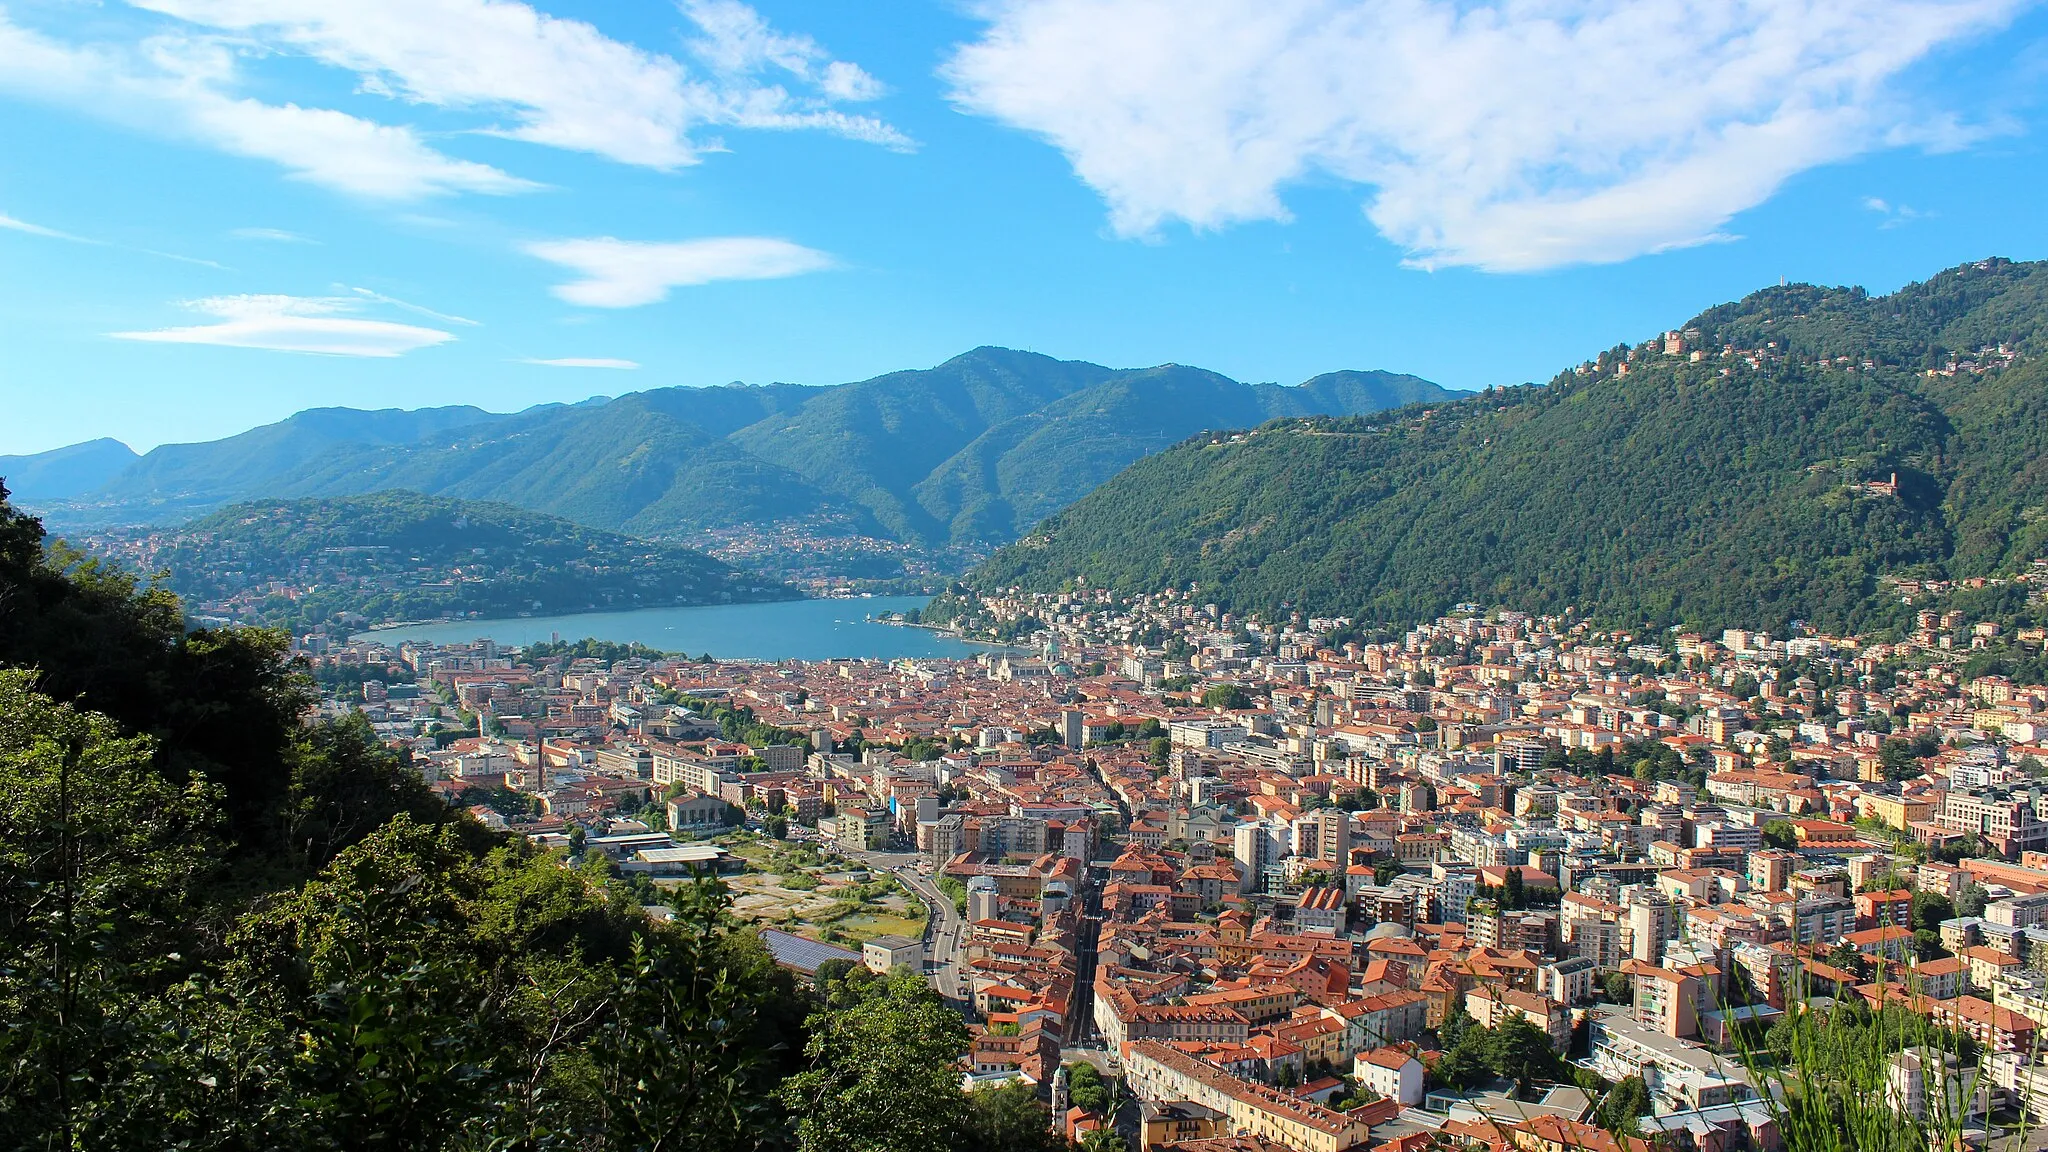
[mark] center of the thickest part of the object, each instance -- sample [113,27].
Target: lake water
[786,630]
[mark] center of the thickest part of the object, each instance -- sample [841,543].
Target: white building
[1392,1073]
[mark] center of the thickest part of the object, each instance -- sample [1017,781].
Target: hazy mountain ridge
[1646,486]
[66,471]
[967,452]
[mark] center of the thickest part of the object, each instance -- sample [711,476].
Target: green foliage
[1670,495]
[1228,696]
[1618,987]
[98,856]
[591,648]
[1008,1118]
[1779,834]
[881,1076]
[247,933]
[1822,1074]
[1085,1087]
[738,724]
[1619,1110]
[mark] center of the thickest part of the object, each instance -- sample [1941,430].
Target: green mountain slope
[65,472]
[1750,486]
[1028,467]
[229,467]
[633,464]
[403,556]
[875,441]
[966,453]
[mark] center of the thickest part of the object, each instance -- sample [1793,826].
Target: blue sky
[214,213]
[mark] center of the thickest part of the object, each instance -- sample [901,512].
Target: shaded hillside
[641,463]
[65,472]
[964,453]
[1028,467]
[231,467]
[403,556]
[1752,485]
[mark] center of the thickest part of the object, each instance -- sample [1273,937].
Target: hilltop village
[1500,881]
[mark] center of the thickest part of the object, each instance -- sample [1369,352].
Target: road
[945,944]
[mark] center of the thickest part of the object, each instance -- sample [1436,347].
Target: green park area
[798,889]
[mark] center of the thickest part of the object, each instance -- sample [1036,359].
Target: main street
[944,933]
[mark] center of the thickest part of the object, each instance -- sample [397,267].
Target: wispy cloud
[1508,135]
[585,362]
[11,224]
[511,70]
[628,273]
[274,235]
[311,324]
[182,86]
[1894,215]
[415,309]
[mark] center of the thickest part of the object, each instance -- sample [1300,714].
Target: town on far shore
[1495,881]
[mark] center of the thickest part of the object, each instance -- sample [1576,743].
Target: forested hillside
[1742,474]
[223,929]
[967,453]
[403,556]
[67,471]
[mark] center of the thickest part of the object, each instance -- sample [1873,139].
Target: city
[1261,872]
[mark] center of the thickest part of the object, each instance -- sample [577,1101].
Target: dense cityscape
[1024,576]
[1473,883]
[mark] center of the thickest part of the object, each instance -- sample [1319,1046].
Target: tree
[1161,751]
[1520,1051]
[680,1060]
[1619,988]
[1385,872]
[883,1074]
[1779,834]
[1930,909]
[1008,1118]
[1085,1087]
[1229,697]
[1620,1109]
[1971,902]
[98,856]
[1104,1140]
[1452,1031]
[1512,895]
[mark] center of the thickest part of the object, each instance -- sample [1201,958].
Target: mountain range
[1773,459]
[970,453]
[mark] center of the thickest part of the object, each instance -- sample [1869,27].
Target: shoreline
[949,633]
[396,625]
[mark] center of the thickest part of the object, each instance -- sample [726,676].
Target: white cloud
[585,362]
[416,309]
[1895,215]
[13,225]
[274,235]
[179,86]
[1505,134]
[294,324]
[561,82]
[628,273]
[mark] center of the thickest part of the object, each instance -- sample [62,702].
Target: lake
[785,630]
